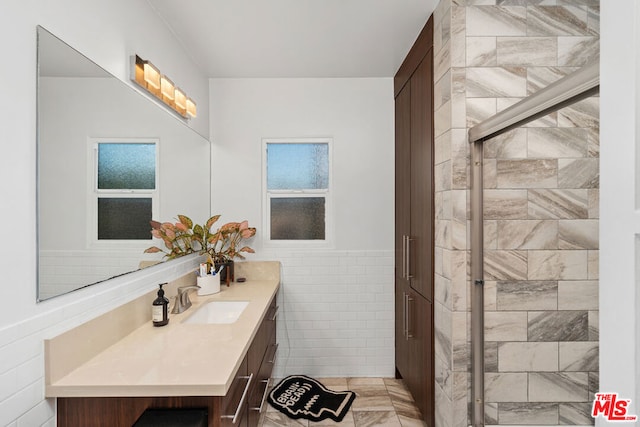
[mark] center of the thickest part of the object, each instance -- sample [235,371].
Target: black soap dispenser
[160,309]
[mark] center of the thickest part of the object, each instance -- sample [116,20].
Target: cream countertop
[173,360]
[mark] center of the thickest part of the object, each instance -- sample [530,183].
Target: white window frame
[94,193]
[267,195]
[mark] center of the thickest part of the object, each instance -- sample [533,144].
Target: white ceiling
[296,38]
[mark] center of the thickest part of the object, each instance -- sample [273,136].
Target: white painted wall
[108,32]
[337,303]
[356,113]
[619,198]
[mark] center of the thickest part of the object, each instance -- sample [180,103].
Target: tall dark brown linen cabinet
[414,227]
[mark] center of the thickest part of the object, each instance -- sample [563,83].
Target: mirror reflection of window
[125,189]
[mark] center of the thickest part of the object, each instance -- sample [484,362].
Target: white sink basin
[218,312]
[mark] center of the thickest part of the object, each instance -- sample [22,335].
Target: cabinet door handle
[408,313]
[242,399]
[404,315]
[408,251]
[264,396]
[404,256]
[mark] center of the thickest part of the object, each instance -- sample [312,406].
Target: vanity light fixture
[149,77]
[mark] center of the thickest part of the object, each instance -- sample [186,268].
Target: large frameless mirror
[109,160]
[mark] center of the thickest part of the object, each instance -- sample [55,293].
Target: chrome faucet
[182,299]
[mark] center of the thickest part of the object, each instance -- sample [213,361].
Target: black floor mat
[299,396]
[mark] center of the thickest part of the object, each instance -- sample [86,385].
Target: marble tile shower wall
[541,212]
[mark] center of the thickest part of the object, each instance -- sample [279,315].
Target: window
[297,176]
[125,189]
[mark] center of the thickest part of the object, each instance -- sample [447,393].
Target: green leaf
[185,220]
[211,221]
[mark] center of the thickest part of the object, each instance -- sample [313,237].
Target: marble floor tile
[397,390]
[411,422]
[407,410]
[379,402]
[277,419]
[335,384]
[366,402]
[355,381]
[376,418]
[347,421]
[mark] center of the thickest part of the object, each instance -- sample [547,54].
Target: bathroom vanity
[108,371]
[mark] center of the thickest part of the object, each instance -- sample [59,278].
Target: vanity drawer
[262,339]
[257,399]
[235,402]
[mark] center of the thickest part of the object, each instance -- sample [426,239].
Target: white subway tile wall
[336,313]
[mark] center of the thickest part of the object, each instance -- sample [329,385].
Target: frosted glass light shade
[180,99]
[167,88]
[151,75]
[191,108]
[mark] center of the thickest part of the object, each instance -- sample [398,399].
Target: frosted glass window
[124,218]
[297,180]
[297,166]
[125,193]
[298,218]
[124,166]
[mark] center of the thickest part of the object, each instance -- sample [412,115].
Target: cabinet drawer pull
[264,396]
[275,313]
[275,353]
[242,399]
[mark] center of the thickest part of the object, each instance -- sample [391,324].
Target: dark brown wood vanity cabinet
[245,403]
[240,407]
[261,359]
[414,227]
